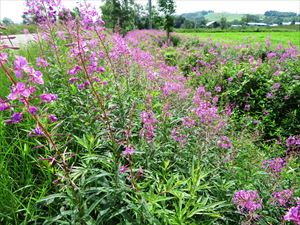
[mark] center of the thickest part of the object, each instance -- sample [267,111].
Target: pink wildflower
[123,169]
[224,142]
[48,97]
[128,151]
[283,198]
[247,201]
[293,214]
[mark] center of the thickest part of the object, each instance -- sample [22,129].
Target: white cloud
[14,8]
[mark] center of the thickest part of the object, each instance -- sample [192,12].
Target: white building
[257,24]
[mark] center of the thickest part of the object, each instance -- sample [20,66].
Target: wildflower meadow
[98,127]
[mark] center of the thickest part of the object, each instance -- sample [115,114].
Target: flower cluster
[283,198]
[3,57]
[205,110]
[293,214]
[224,142]
[128,151]
[90,17]
[178,135]
[40,62]
[293,144]
[188,122]
[120,48]
[4,105]
[247,201]
[43,10]
[149,127]
[275,165]
[21,66]
[24,91]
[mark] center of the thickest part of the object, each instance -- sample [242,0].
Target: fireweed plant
[132,130]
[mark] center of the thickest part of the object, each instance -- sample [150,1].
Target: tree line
[125,15]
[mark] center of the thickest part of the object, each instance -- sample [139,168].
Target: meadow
[251,37]
[100,128]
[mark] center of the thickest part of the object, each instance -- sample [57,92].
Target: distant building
[297,23]
[274,25]
[257,24]
[212,24]
[236,25]
[286,23]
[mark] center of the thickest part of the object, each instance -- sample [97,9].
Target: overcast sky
[13,8]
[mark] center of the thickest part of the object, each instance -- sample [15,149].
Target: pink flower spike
[32,110]
[123,169]
[41,62]
[128,151]
[61,35]
[16,118]
[294,214]
[20,64]
[37,131]
[52,118]
[224,142]
[74,71]
[3,57]
[4,105]
[101,69]
[19,90]
[72,80]
[48,97]
[247,201]
[218,89]
[37,77]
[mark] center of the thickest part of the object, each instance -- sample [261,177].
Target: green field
[252,37]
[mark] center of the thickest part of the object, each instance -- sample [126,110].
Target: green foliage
[282,115]
[7,21]
[280,14]
[269,17]
[19,29]
[167,7]
[277,115]
[223,23]
[119,15]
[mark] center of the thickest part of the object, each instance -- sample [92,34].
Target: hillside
[229,16]
[210,15]
[268,17]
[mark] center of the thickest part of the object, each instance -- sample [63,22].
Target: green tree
[119,15]
[223,22]
[141,19]
[7,21]
[200,22]
[179,20]
[150,13]
[167,7]
[188,24]
[249,18]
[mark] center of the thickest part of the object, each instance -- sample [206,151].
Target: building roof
[257,24]
[210,23]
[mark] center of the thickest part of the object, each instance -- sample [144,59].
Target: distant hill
[229,16]
[211,15]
